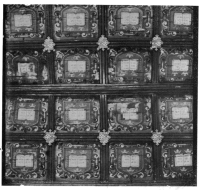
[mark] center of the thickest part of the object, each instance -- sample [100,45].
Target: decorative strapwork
[24,22]
[156,43]
[103,43]
[75,22]
[48,45]
[104,137]
[177,161]
[177,21]
[77,114]
[26,114]
[130,162]
[175,64]
[129,65]
[157,137]
[50,136]
[26,67]
[129,114]
[176,114]
[130,21]
[77,162]
[77,65]
[25,161]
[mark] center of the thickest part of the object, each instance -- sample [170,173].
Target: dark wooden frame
[154,89]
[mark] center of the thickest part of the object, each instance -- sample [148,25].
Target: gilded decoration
[177,21]
[103,43]
[104,137]
[26,115]
[129,65]
[157,137]
[177,161]
[130,162]
[77,115]
[25,161]
[156,43]
[75,21]
[175,65]
[176,114]
[77,66]
[50,137]
[130,21]
[129,115]
[24,22]
[48,45]
[77,162]
[26,68]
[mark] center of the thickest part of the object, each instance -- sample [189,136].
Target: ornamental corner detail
[104,137]
[157,137]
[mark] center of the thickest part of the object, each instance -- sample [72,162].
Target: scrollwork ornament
[156,43]
[104,137]
[50,136]
[48,45]
[157,137]
[103,43]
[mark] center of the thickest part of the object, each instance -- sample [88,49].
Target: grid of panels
[120,90]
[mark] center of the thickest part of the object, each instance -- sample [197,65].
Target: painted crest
[156,42]
[50,136]
[102,43]
[104,137]
[48,45]
[157,137]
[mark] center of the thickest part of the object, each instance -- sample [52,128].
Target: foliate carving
[50,136]
[77,162]
[176,114]
[86,71]
[130,162]
[156,43]
[129,65]
[104,137]
[157,137]
[177,21]
[177,161]
[48,45]
[25,161]
[26,115]
[175,64]
[139,23]
[26,67]
[77,115]
[103,43]
[25,22]
[75,21]
[129,114]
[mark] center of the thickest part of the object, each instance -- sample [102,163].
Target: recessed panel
[177,160]
[75,22]
[76,114]
[175,65]
[26,161]
[176,114]
[129,114]
[26,114]
[177,21]
[77,66]
[130,162]
[26,68]
[129,66]
[77,162]
[129,21]
[25,22]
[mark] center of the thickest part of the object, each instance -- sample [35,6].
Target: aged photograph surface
[100,95]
